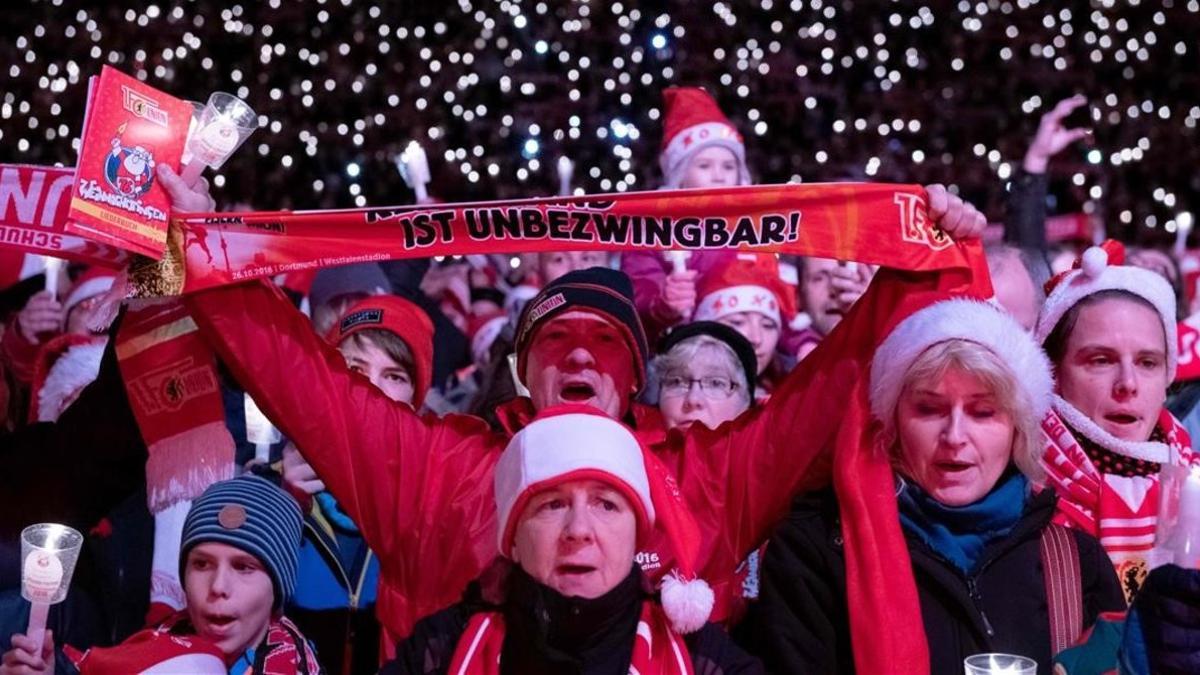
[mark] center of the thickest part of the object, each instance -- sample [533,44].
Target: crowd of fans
[945,93]
[592,462]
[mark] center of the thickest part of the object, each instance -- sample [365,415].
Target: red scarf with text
[880,224]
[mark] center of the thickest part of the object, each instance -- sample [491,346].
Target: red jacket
[420,487]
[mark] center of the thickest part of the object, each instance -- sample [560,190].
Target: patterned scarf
[1117,501]
[283,651]
[657,650]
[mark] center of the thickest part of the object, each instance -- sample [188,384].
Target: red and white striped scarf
[1121,511]
[657,650]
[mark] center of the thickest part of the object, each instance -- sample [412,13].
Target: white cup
[999,664]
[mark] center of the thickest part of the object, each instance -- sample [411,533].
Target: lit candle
[678,261]
[565,169]
[417,168]
[53,265]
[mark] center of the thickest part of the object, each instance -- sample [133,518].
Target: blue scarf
[960,533]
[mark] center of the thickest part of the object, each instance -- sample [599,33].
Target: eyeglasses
[710,387]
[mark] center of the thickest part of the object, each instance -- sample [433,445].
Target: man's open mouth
[577,391]
[1122,418]
[574,570]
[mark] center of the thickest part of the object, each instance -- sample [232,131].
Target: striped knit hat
[254,515]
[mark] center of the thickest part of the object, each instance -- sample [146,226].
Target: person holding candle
[702,149]
[1110,331]
[69,362]
[957,391]
[238,564]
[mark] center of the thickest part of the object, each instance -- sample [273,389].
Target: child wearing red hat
[748,295]
[700,149]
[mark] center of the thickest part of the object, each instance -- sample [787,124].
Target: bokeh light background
[497,91]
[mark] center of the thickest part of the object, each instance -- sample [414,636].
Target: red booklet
[129,128]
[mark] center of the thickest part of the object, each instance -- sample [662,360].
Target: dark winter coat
[800,623]
[550,633]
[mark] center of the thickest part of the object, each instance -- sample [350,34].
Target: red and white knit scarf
[1121,511]
[284,650]
[657,650]
[171,378]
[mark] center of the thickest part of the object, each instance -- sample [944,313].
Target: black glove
[1168,605]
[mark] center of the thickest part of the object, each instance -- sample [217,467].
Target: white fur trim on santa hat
[680,150]
[482,341]
[71,372]
[555,446]
[1149,451]
[89,288]
[734,299]
[959,319]
[1095,275]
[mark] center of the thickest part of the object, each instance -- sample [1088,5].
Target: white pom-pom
[688,604]
[1094,260]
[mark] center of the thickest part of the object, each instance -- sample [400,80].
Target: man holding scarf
[420,488]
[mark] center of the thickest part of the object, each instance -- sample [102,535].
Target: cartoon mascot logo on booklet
[129,171]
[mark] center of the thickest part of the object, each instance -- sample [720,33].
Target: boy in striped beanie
[238,565]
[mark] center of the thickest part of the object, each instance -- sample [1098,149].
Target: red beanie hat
[691,122]
[576,442]
[396,315]
[748,283]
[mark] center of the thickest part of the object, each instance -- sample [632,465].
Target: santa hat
[749,282]
[960,319]
[396,315]
[691,122]
[573,442]
[1103,268]
[62,368]
[482,331]
[151,652]
[95,281]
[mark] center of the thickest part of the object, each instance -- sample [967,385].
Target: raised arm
[351,433]
[751,467]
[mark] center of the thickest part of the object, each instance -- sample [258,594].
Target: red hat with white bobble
[1103,268]
[691,122]
[749,282]
[574,442]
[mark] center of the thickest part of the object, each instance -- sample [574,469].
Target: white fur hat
[572,442]
[1103,268]
[959,319]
